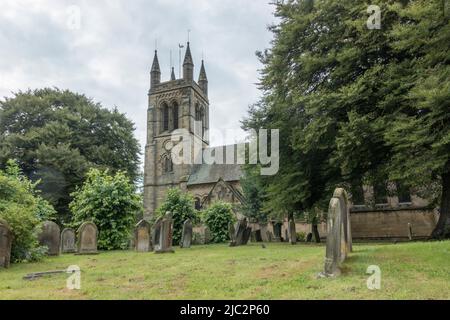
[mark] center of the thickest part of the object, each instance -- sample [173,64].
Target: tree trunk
[316,233]
[442,230]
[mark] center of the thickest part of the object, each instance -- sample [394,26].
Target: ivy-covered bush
[24,210]
[182,207]
[111,202]
[217,218]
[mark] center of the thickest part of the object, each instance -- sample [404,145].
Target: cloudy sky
[106,51]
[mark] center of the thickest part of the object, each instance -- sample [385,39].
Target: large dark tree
[56,136]
[356,105]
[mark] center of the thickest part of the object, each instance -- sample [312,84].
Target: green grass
[282,271]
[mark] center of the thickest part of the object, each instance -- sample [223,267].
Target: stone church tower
[174,104]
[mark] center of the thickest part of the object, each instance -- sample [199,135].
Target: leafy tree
[56,136]
[24,210]
[218,217]
[110,201]
[355,106]
[254,194]
[182,207]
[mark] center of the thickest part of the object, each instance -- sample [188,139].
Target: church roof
[206,173]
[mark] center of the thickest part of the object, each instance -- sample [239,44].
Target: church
[183,104]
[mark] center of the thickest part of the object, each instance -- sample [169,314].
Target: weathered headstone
[87,238]
[256,236]
[232,234]
[264,234]
[292,232]
[142,237]
[68,241]
[5,244]
[241,227]
[339,241]
[165,235]
[246,237]
[277,226]
[156,233]
[50,237]
[186,236]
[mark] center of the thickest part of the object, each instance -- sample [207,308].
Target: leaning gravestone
[87,238]
[5,244]
[292,232]
[339,241]
[246,237]
[165,235]
[156,234]
[186,236]
[142,238]
[68,241]
[50,237]
[232,234]
[241,228]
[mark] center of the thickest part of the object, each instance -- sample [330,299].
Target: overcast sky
[109,54]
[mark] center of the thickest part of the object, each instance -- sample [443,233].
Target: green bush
[182,207]
[22,209]
[301,236]
[111,203]
[217,218]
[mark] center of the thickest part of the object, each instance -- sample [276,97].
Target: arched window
[165,118]
[175,116]
[198,204]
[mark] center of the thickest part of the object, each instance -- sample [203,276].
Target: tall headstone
[165,235]
[339,241]
[87,238]
[5,244]
[50,237]
[142,237]
[186,236]
[241,228]
[232,234]
[292,232]
[277,226]
[246,237]
[68,241]
[156,234]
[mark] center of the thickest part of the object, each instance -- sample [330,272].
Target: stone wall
[389,224]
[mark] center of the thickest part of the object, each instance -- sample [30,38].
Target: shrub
[217,218]
[182,207]
[301,236]
[111,203]
[22,209]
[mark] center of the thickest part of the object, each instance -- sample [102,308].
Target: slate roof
[206,174]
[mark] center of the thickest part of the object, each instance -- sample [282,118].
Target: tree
[56,136]
[181,206]
[218,218]
[24,210]
[111,202]
[253,191]
[354,106]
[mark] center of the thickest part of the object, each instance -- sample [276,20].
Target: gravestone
[269,236]
[286,236]
[165,235]
[309,237]
[246,237]
[156,234]
[264,232]
[142,237]
[68,241]
[50,237]
[232,234]
[186,236]
[241,228]
[256,236]
[277,226]
[87,238]
[339,241]
[5,244]
[292,232]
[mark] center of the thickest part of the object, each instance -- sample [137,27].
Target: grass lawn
[281,271]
